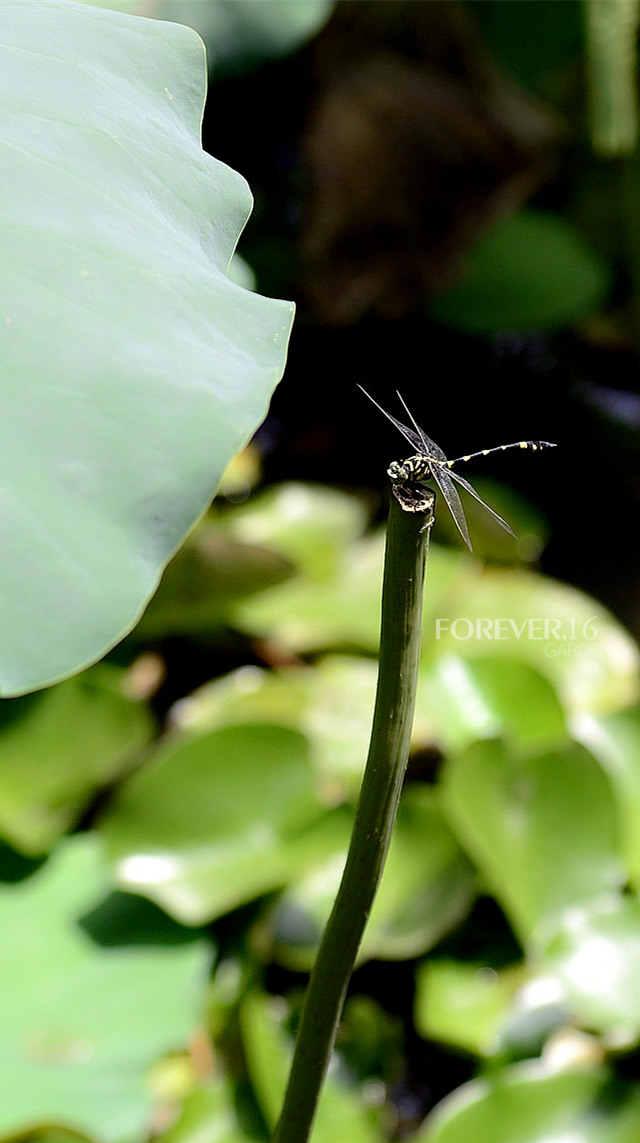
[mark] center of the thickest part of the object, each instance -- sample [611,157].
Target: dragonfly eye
[399,471]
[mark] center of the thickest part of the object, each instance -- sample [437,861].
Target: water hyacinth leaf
[542,828]
[427,888]
[307,614]
[491,542]
[338,717]
[204,580]
[337,602]
[250,694]
[341,1113]
[133,367]
[529,1103]
[335,598]
[336,594]
[593,959]
[463,1004]
[58,747]
[467,699]
[615,741]
[562,635]
[532,271]
[54,1133]
[590,660]
[331,704]
[428,885]
[83,1024]
[216,820]
[309,525]
[207,1114]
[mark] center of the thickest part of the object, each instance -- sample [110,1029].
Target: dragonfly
[430,463]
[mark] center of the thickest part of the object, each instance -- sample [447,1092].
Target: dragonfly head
[413,468]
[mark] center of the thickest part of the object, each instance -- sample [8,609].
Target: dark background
[378,155]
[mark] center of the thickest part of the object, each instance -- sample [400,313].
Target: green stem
[405,564]
[630,205]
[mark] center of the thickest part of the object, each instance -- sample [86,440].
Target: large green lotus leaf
[82,1025]
[532,271]
[427,888]
[542,828]
[58,747]
[530,1103]
[240,33]
[214,821]
[243,33]
[593,964]
[132,368]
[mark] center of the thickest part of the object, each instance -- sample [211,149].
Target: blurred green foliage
[237,817]
[171,851]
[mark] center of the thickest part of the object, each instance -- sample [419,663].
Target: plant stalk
[402,590]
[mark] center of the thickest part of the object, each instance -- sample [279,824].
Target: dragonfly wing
[442,477]
[472,492]
[427,446]
[414,439]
